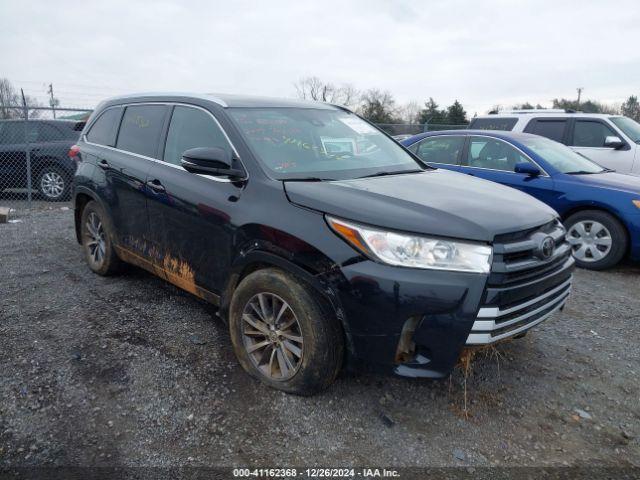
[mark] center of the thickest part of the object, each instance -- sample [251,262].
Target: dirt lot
[131,371]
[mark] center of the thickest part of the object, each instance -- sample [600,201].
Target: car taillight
[74,153]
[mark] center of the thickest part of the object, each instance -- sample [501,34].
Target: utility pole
[52,100]
[579,89]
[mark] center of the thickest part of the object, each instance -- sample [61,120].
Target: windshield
[560,157]
[631,128]
[305,143]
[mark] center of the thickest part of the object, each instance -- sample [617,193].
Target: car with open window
[612,141]
[323,242]
[599,207]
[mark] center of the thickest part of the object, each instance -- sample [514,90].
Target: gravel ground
[131,371]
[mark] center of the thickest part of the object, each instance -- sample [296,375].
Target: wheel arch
[81,197]
[261,259]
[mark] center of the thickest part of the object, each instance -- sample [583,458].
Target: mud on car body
[321,239]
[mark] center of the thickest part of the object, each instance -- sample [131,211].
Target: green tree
[588,106]
[631,108]
[456,114]
[527,106]
[432,114]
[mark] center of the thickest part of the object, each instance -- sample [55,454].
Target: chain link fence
[408,129]
[35,167]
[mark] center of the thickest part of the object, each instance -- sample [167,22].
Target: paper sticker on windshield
[358,125]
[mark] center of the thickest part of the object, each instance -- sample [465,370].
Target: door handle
[156,186]
[103,164]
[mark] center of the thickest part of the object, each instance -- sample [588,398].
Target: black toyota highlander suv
[322,241]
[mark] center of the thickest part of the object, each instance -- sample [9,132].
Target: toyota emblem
[547,247]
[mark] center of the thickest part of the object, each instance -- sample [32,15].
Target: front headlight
[636,203]
[414,251]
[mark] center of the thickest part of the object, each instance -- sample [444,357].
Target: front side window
[140,129]
[553,129]
[442,149]
[191,128]
[104,129]
[317,143]
[630,127]
[560,157]
[493,154]
[590,134]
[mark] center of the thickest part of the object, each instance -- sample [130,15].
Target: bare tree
[378,106]
[410,112]
[312,88]
[11,106]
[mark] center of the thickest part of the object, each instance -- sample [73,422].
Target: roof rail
[532,110]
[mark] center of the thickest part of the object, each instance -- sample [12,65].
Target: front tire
[598,239]
[96,241]
[53,184]
[283,334]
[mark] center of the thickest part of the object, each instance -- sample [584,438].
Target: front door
[493,159]
[589,138]
[13,165]
[191,216]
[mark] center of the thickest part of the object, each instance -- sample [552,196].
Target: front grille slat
[523,288]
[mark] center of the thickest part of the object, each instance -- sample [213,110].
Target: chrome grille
[525,285]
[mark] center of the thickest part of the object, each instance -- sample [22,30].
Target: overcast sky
[480,52]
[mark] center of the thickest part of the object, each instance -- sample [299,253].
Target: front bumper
[494,324]
[416,322]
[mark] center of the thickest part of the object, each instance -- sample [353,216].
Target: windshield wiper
[306,179]
[582,172]
[384,173]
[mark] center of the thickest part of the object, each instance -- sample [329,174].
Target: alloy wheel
[590,240]
[52,184]
[96,242]
[272,336]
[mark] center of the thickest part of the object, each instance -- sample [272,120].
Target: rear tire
[283,334]
[96,237]
[598,239]
[53,183]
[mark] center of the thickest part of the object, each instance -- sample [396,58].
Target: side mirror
[613,141]
[527,168]
[210,161]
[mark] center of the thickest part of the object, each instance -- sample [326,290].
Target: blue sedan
[600,208]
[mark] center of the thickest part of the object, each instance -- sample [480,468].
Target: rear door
[588,137]
[494,159]
[190,215]
[127,143]
[554,128]
[440,150]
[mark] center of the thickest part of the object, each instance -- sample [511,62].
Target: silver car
[609,140]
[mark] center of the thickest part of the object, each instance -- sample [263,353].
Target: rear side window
[141,128]
[191,128]
[552,129]
[444,149]
[104,129]
[493,123]
[590,134]
[11,133]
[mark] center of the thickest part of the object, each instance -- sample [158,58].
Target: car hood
[613,180]
[435,202]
